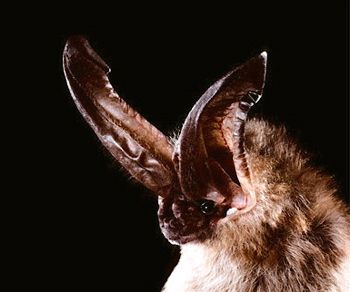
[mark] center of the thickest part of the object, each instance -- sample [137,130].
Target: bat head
[205,176]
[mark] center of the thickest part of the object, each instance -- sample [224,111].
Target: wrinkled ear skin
[210,158]
[137,145]
[209,152]
[208,162]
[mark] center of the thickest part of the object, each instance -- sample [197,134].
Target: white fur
[342,276]
[202,269]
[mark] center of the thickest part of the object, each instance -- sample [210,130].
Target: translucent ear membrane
[210,158]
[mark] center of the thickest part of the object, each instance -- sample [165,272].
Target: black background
[86,226]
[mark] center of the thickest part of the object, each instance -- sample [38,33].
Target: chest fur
[202,269]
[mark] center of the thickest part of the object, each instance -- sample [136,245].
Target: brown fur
[296,237]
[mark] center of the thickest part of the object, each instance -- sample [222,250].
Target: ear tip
[253,72]
[79,45]
[75,42]
[263,55]
[261,59]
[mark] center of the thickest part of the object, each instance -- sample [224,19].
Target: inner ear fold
[137,145]
[214,130]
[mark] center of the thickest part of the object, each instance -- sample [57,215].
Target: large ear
[138,146]
[209,155]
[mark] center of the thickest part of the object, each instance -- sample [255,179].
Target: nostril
[207,207]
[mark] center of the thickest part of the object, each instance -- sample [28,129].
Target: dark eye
[207,207]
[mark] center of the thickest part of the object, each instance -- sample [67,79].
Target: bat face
[202,179]
[182,220]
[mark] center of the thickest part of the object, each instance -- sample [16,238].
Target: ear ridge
[214,129]
[137,145]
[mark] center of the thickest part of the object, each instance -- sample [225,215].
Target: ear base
[137,145]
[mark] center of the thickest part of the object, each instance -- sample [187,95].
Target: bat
[238,195]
